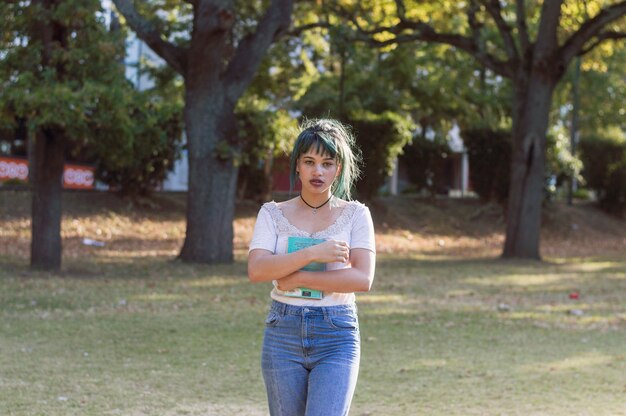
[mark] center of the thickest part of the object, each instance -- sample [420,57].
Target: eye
[328,164]
[308,162]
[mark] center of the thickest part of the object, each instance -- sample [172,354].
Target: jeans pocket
[272,319]
[346,322]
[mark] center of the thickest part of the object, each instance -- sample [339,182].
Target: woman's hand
[288,282]
[331,251]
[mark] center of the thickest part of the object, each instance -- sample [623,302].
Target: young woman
[311,345]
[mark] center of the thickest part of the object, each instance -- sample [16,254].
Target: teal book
[298,243]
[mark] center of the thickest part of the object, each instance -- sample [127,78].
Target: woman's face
[317,172]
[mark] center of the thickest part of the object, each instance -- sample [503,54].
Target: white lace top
[354,225]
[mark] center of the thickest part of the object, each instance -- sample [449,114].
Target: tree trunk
[212,178]
[48,158]
[217,69]
[46,202]
[531,115]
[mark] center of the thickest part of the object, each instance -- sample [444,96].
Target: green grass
[150,336]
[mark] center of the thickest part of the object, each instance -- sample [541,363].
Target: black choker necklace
[317,207]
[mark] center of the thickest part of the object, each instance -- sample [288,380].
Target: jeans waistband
[286,309]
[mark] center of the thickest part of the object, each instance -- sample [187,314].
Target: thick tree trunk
[217,69]
[46,202]
[531,114]
[212,179]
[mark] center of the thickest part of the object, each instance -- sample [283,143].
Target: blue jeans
[310,359]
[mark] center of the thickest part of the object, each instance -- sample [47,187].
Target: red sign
[74,176]
[13,169]
[78,177]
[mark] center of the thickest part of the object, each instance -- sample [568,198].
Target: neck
[316,199]
[315,206]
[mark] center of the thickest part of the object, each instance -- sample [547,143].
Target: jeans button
[306,310]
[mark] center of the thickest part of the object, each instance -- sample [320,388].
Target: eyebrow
[312,158]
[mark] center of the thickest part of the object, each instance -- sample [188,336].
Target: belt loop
[283,309]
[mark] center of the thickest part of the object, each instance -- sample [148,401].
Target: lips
[316,182]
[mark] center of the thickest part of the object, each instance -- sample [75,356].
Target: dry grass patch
[404,225]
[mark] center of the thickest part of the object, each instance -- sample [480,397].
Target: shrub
[146,160]
[604,170]
[426,161]
[489,153]
[265,134]
[381,138]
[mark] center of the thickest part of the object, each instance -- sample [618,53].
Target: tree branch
[474,24]
[401,9]
[495,10]
[298,30]
[407,31]
[607,35]
[461,42]
[345,14]
[172,54]
[252,48]
[522,28]
[590,29]
[546,41]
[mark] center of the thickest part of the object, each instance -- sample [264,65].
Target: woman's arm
[357,278]
[264,266]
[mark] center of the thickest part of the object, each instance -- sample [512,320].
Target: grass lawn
[447,330]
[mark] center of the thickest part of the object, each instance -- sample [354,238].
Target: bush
[14,182]
[426,161]
[489,154]
[381,138]
[265,134]
[149,156]
[582,194]
[604,170]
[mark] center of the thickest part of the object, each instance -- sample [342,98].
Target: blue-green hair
[332,138]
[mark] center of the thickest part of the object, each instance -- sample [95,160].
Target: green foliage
[66,85]
[13,182]
[434,85]
[559,159]
[602,91]
[604,161]
[489,153]
[372,105]
[381,138]
[265,133]
[149,155]
[80,88]
[76,86]
[425,159]
[582,194]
